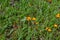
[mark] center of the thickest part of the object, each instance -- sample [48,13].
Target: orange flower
[28,18]
[49,30]
[55,25]
[33,18]
[58,15]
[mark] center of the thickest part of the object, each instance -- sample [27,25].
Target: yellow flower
[55,25]
[58,15]
[49,30]
[33,18]
[28,18]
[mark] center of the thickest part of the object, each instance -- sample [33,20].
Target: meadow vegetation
[29,19]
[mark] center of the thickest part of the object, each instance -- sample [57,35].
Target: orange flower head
[28,18]
[49,30]
[33,18]
[58,15]
[55,25]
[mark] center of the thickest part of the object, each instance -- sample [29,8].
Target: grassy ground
[29,19]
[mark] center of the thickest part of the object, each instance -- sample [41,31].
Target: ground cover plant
[29,19]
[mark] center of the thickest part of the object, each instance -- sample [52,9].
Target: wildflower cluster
[48,29]
[55,25]
[29,18]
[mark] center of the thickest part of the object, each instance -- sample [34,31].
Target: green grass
[14,26]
